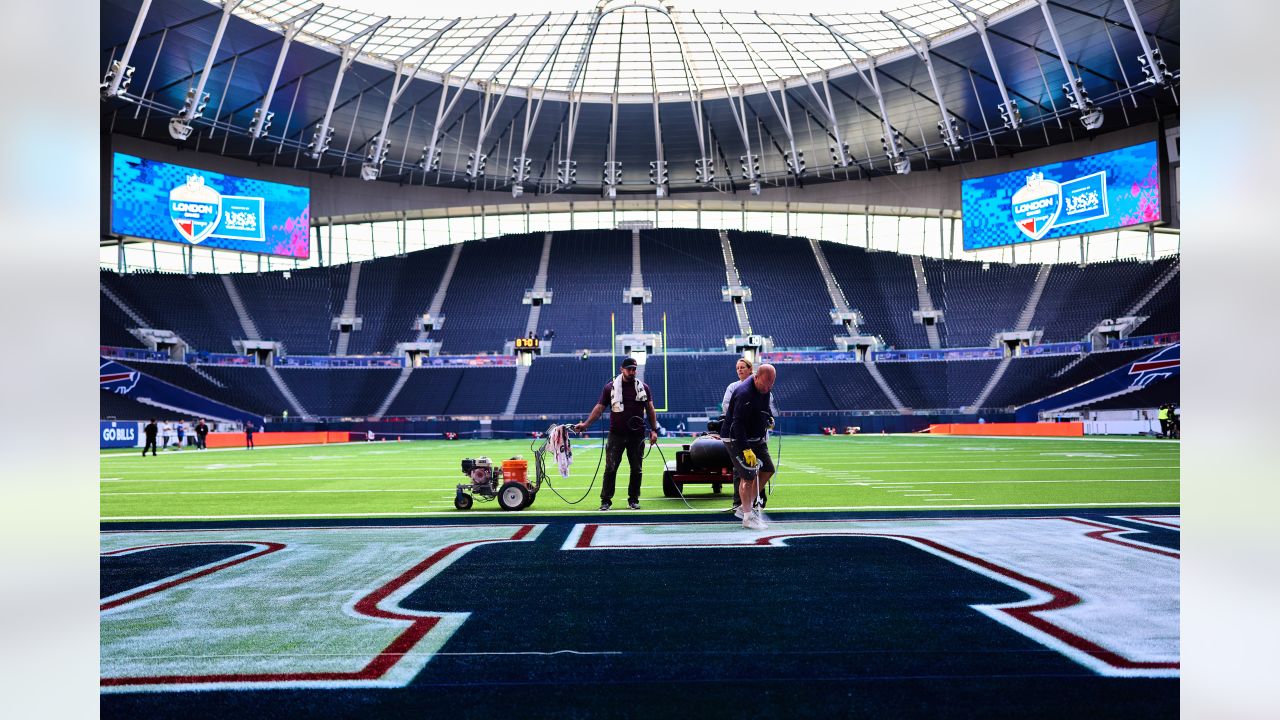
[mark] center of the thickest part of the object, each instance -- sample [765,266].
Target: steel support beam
[120,74]
[1152,64]
[197,98]
[1008,106]
[1090,115]
[947,125]
[324,132]
[262,115]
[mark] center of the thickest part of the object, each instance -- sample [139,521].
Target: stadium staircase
[251,333]
[926,302]
[838,300]
[1024,323]
[124,307]
[637,281]
[517,389]
[884,385]
[196,369]
[1156,287]
[349,308]
[733,280]
[437,303]
[539,285]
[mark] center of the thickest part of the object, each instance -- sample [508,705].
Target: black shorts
[761,451]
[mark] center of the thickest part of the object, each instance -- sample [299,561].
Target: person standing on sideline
[166,429]
[1163,416]
[745,433]
[248,434]
[149,431]
[182,433]
[629,401]
[202,433]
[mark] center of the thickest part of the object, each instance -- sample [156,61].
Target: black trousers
[151,443]
[633,443]
[1165,428]
[200,442]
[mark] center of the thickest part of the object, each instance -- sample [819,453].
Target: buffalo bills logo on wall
[195,209]
[1036,206]
[1156,366]
[116,378]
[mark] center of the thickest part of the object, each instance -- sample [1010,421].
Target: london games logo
[1041,204]
[195,209]
[198,212]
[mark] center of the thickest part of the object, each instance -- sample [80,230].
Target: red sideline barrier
[236,439]
[1062,429]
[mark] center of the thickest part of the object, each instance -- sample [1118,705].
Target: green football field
[389,479]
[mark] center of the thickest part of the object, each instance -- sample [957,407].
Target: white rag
[559,442]
[615,398]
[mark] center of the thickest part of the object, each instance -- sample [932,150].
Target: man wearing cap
[629,401]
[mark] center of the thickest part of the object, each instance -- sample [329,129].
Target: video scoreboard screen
[177,204]
[1092,194]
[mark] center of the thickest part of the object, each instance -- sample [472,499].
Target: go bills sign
[112,434]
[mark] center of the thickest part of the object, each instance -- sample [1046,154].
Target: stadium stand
[1162,310]
[685,270]
[849,385]
[1076,298]
[882,286]
[114,406]
[248,388]
[789,299]
[393,291]
[483,307]
[978,299]
[340,392]
[298,310]
[196,308]
[567,384]
[426,392]
[937,385]
[1025,377]
[587,274]
[113,326]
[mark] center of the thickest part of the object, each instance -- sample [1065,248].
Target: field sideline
[409,479]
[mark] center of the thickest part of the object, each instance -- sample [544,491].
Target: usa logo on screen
[195,209]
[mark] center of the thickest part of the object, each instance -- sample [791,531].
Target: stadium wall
[351,198]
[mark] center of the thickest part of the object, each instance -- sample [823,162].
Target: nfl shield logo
[1036,206]
[195,209]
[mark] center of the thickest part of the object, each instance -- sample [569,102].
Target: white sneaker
[737,511]
[752,521]
[760,518]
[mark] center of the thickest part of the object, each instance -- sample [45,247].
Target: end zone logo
[195,209]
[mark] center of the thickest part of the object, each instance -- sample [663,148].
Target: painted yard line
[946,499]
[895,487]
[535,513]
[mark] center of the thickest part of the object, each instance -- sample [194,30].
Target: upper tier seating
[881,286]
[393,294]
[587,274]
[196,308]
[789,300]
[297,311]
[1076,298]
[483,308]
[977,299]
[685,270]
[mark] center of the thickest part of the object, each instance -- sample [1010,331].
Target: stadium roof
[635,82]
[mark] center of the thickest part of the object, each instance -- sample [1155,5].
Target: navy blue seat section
[114,406]
[1162,310]
[587,274]
[1076,298]
[977,299]
[1155,394]
[297,311]
[483,308]
[939,384]
[568,384]
[393,294]
[789,299]
[340,392]
[881,286]
[685,270]
[248,388]
[196,308]
[113,326]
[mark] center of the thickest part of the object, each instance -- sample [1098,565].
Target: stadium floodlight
[750,167]
[1090,115]
[261,123]
[840,155]
[754,187]
[950,132]
[372,166]
[795,162]
[658,176]
[1092,120]
[431,163]
[1010,115]
[519,173]
[612,173]
[180,125]
[517,191]
[567,173]
[475,165]
[1160,74]
[893,150]
[902,165]
[706,170]
[320,140]
[125,76]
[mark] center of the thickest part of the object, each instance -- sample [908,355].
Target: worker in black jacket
[150,430]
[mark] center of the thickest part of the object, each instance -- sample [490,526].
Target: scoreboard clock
[528,343]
